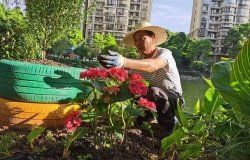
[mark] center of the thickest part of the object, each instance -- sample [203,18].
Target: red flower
[73,120]
[138,88]
[136,77]
[103,73]
[146,103]
[118,73]
[95,73]
[112,89]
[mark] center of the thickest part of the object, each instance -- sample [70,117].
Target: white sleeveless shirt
[165,78]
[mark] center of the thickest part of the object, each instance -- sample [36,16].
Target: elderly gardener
[157,66]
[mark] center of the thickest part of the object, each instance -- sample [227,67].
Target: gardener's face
[144,42]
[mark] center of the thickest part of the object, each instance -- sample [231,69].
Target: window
[111,2]
[109,18]
[109,26]
[120,11]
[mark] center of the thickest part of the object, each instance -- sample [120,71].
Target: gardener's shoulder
[163,50]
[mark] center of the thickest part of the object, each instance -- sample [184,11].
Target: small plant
[111,107]
[85,157]
[219,127]
[112,102]
[6,142]
[35,133]
[73,122]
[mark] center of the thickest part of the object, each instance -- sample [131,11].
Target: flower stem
[124,126]
[97,141]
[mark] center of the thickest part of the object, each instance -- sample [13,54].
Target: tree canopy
[199,48]
[51,20]
[15,41]
[235,38]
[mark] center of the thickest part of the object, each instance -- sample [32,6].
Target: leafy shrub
[16,42]
[199,66]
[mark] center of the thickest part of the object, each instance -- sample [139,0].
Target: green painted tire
[28,82]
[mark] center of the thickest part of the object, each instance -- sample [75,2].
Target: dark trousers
[166,103]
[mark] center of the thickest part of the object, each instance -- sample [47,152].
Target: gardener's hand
[114,59]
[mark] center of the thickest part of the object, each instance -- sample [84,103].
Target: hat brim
[160,35]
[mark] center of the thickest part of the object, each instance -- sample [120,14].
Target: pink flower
[72,120]
[136,77]
[138,88]
[119,74]
[143,102]
[112,89]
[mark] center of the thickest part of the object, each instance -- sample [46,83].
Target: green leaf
[78,133]
[124,93]
[119,135]
[232,81]
[98,84]
[181,116]
[208,81]
[34,134]
[191,150]
[199,128]
[176,136]
[197,107]
[220,77]
[212,101]
[240,80]
[88,116]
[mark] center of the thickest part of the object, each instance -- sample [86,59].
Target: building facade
[211,19]
[116,17]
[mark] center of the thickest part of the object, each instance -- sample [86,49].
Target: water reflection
[192,90]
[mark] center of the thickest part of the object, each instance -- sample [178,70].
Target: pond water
[192,90]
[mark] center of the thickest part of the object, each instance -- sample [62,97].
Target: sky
[174,15]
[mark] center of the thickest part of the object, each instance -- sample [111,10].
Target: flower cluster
[73,120]
[137,85]
[146,103]
[103,73]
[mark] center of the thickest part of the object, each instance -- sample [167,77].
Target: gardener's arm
[147,65]
[117,60]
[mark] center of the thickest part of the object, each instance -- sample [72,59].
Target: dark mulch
[139,145]
[46,62]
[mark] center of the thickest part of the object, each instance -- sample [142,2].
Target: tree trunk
[43,54]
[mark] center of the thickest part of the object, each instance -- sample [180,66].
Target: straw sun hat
[160,33]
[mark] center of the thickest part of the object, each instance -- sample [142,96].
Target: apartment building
[116,17]
[211,19]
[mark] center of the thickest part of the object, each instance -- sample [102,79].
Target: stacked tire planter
[37,95]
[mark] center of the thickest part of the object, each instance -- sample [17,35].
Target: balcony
[230,13]
[98,14]
[123,5]
[135,2]
[212,30]
[214,22]
[111,4]
[234,5]
[203,19]
[216,14]
[134,17]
